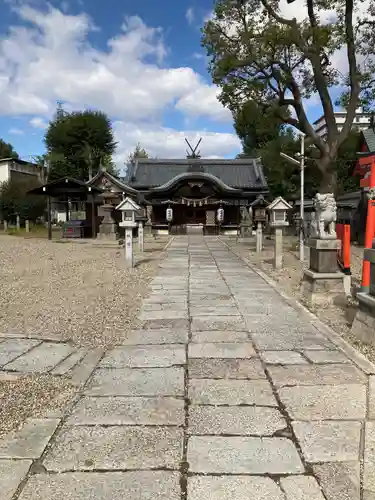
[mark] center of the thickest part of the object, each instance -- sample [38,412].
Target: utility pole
[301,164]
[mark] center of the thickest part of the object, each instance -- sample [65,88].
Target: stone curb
[356,357]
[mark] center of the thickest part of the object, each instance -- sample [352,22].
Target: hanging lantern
[169,215]
[220,214]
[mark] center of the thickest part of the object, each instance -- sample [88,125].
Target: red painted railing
[343,254]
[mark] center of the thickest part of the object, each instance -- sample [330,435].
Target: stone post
[18,223]
[278,257]
[129,247]
[27,226]
[140,236]
[259,238]
[5,226]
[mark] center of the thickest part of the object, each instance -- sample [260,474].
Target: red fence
[343,254]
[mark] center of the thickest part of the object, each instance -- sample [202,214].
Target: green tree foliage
[257,54]
[78,143]
[138,152]
[15,200]
[6,150]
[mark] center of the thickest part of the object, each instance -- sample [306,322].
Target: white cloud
[16,131]
[38,122]
[50,59]
[165,142]
[203,102]
[190,16]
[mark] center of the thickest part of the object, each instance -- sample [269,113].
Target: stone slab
[243,455]
[369,459]
[233,487]
[204,323]
[156,356]
[12,348]
[115,448]
[128,411]
[283,358]
[30,441]
[326,356]
[316,375]
[301,488]
[340,402]
[273,338]
[12,472]
[171,323]
[226,368]
[162,315]
[142,382]
[231,392]
[339,480]
[139,485]
[231,420]
[196,312]
[156,337]
[42,358]
[82,372]
[222,350]
[329,441]
[67,364]
[219,336]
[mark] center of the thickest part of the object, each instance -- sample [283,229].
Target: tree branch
[272,13]
[353,71]
[320,81]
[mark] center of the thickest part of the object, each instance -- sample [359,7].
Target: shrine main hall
[194,189]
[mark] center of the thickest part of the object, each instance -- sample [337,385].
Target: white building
[11,168]
[361,122]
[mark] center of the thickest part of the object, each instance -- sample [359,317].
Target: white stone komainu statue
[323,222]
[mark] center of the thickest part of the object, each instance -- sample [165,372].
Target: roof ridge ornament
[193,151]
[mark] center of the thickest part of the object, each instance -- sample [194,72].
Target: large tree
[259,54]
[15,200]
[7,150]
[79,143]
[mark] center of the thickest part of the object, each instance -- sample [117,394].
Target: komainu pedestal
[323,281]
[363,326]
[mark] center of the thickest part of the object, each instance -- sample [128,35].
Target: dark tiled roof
[369,135]
[245,173]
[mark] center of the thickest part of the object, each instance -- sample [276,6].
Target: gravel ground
[31,396]
[70,291]
[81,292]
[339,316]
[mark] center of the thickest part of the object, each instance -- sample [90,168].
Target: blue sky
[140,62]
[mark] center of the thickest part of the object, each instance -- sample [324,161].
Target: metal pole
[302,208]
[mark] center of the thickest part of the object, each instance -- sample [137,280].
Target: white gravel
[81,292]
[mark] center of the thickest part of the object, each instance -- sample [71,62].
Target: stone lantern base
[108,227]
[363,326]
[323,282]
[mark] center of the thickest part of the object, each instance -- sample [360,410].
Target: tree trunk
[328,169]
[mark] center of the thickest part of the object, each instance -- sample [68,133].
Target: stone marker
[140,236]
[18,223]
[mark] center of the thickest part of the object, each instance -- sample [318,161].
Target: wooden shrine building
[195,188]
[191,195]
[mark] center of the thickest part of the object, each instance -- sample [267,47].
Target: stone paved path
[227,392]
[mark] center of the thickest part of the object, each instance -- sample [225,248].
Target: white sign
[220,214]
[169,214]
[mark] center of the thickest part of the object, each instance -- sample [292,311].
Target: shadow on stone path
[226,392]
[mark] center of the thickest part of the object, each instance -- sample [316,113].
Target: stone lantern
[258,209]
[128,208]
[278,219]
